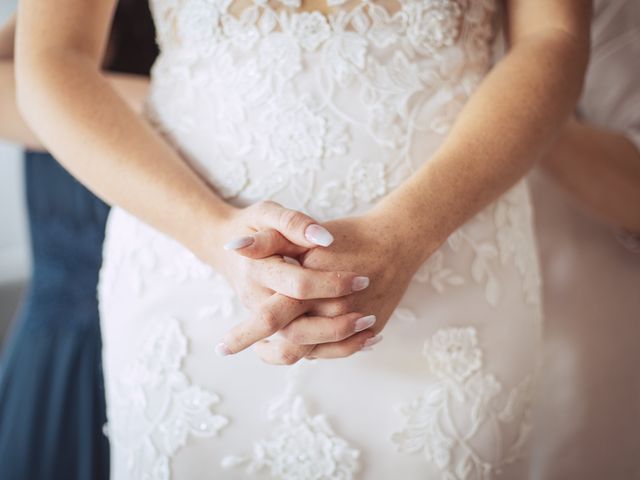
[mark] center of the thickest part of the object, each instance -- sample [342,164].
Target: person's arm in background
[601,169]
[100,140]
[133,88]
[12,127]
[597,157]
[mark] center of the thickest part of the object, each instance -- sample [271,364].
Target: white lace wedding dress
[325,114]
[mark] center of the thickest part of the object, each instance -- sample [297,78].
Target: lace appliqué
[512,242]
[150,257]
[153,409]
[513,219]
[279,131]
[276,132]
[461,406]
[301,447]
[437,274]
[429,26]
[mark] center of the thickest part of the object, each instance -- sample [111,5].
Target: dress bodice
[324,113]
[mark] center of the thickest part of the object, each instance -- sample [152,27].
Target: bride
[316,179]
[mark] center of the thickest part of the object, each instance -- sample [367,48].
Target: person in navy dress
[52,406]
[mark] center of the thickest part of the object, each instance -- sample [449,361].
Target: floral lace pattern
[325,114]
[301,447]
[512,218]
[283,135]
[277,128]
[148,255]
[444,422]
[151,257]
[154,408]
[429,26]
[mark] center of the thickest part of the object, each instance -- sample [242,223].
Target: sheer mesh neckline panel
[204,24]
[326,8]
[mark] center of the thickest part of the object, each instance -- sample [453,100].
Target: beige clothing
[589,410]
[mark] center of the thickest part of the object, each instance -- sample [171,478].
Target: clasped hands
[312,291]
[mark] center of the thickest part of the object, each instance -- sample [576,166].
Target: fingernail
[318,235]
[365,322]
[238,243]
[359,283]
[370,342]
[290,260]
[222,350]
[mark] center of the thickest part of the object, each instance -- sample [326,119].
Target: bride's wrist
[213,231]
[411,226]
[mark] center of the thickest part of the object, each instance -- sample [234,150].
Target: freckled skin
[360,246]
[508,123]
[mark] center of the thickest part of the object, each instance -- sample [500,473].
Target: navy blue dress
[52,407]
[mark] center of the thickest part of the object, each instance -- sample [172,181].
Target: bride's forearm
[506,126]
[98,137]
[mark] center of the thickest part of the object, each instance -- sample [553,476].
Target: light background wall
[14,240]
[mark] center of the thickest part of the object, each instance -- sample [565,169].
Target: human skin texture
[600,168]
[509,123]
[132,88]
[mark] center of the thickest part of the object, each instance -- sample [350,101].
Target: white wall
[6,8]
[14,251]
[14,246]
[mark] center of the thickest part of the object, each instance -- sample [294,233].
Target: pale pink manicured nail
[370,342]
[359,283]
[318,235]
[365,322]
[222,350]
[290,260]
[238,243]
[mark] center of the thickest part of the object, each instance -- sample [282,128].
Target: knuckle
[271,204]
[268,320]
[337,283]
[287,356]
[336,333]
[245,298]
[246,269]
[270,237]
[341,306]
[348,353]
[344,351]
[342,329]
[340,283]
[263,207]
[292,334]
[301,287]
[291,220]
[329,284]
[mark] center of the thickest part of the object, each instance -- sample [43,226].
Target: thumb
[295,226]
